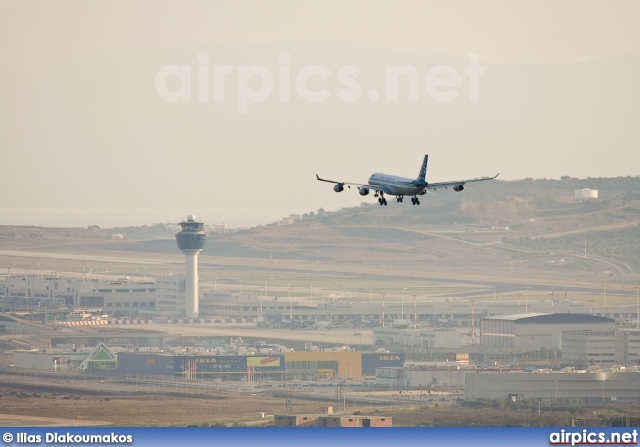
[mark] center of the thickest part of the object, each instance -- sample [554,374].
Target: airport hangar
[532,331]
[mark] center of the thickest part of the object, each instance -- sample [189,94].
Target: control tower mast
[191,241]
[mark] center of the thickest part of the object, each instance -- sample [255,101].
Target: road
[339,336]
[486,286]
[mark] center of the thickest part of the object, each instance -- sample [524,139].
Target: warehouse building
[324,365]
[372,361]
[584,348]
[534,331]
[575,386]
[195,366]
[430,375]
[66,359]
[303,365]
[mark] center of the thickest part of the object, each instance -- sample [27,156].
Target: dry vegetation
[177,409]
[145,408]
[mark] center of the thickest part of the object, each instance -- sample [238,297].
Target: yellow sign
[269,362]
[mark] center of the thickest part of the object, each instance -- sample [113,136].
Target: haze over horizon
[88,139]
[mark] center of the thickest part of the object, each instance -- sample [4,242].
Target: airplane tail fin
[423,169]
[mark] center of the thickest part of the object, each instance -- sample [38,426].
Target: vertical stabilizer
[423,170]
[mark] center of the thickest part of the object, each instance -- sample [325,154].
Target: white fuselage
[400,186]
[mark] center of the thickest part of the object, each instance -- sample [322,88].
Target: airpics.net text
[256,83]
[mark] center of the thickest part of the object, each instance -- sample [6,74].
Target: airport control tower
[191,241]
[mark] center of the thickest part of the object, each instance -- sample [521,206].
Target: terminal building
[119,297]
[165,298]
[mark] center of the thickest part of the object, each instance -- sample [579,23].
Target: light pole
[266,289]
[290,302]
[215,284]
[402,304]
[637,306]
[526,300]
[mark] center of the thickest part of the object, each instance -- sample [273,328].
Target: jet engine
[458,188]
[338,187]
[423,192]
[363,191]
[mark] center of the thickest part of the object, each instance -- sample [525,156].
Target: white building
[171,295]
[586,194]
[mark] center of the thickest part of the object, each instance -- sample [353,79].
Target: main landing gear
[381,199]
[415,200]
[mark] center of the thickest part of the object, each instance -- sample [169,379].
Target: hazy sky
[87,138]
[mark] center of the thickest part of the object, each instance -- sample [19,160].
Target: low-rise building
[584,348]
[99,357]
[321,420]
[574,386]
[431,375]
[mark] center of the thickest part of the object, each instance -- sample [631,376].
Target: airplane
[400,323]
[401,186]
[322,325]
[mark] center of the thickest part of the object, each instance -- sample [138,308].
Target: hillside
[527,228]
[514,226]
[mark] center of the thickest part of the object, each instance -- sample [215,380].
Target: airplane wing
[458,183]
[377,188]
[339,183]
